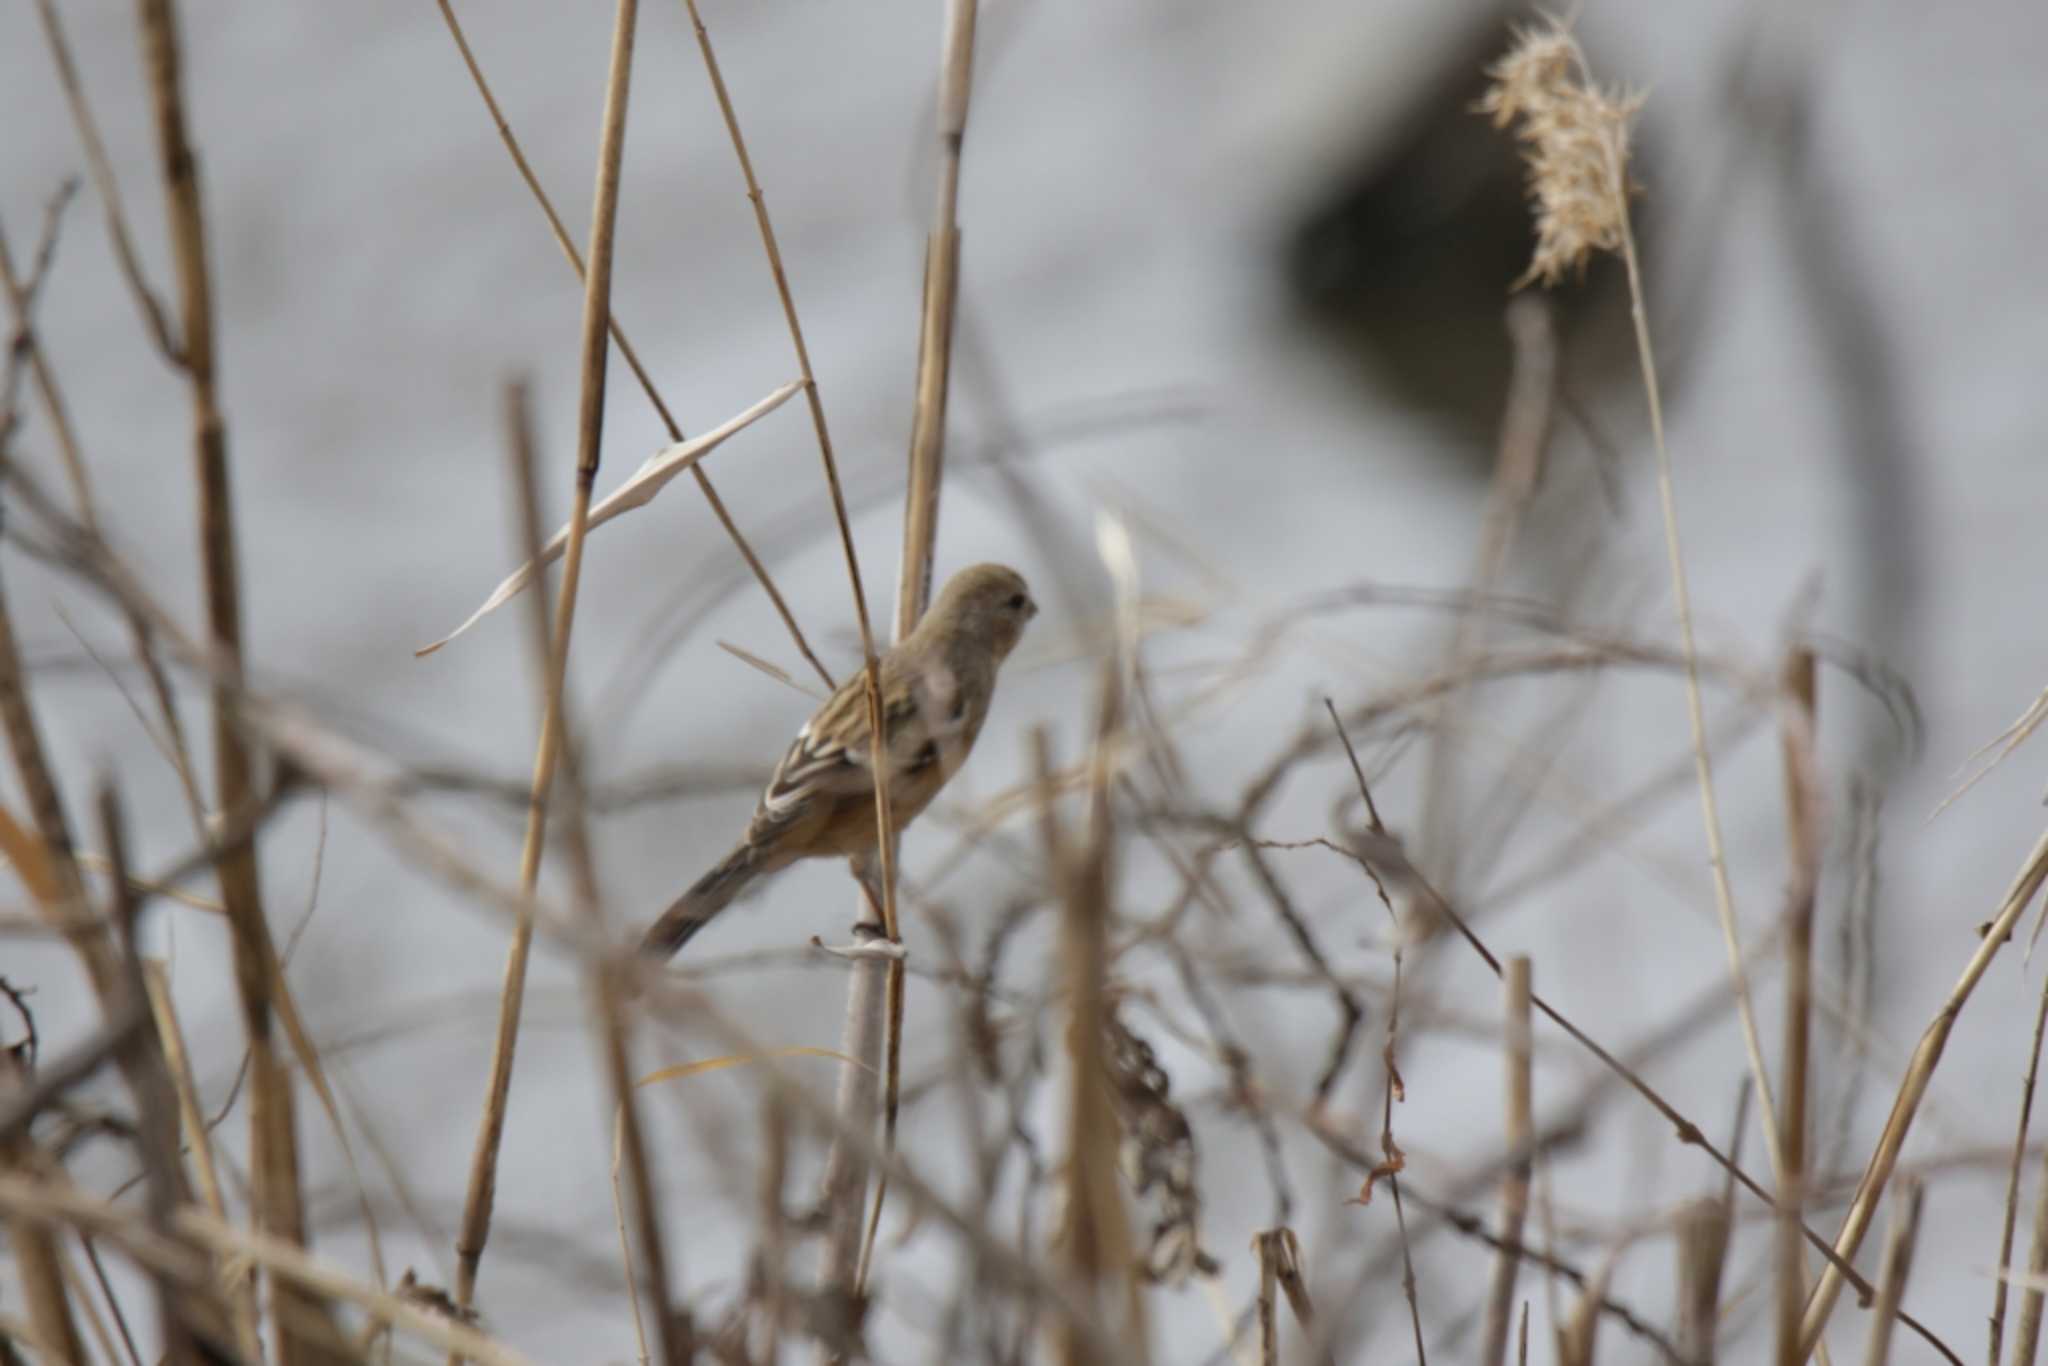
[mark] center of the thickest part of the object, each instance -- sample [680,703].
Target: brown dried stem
[1519,1129]
[1703,1228]
[482,1191]
[1803,839]
[1095,1239]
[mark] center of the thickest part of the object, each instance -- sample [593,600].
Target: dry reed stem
[1519,1128]
[1913,1090]
[2012,1180]
[1703,1229]
[1891,1277]
[1803,841]
[618,333]
[302,1331]
[482,1191]
[1577,139]
[1094,1241]
[921,495]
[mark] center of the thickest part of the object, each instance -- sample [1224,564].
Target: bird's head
[985,602]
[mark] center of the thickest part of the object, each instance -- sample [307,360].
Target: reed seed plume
[1575,138]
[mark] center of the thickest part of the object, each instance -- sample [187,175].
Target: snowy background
[1134,331]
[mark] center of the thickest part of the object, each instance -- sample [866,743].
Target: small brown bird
[936,687]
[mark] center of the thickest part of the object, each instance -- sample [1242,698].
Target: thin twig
[2012,1179]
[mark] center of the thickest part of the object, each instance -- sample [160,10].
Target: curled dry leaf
[1158,1157]
[1393,1164]
[645,482]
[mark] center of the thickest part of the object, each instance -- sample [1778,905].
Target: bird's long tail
[707,896]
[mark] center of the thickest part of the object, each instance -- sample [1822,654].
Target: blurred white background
[1132,332]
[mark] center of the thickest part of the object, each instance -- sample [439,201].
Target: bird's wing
[831,755]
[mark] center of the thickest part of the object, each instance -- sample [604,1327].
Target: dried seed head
[1575,138]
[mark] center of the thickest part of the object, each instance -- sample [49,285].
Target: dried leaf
[1393,1164]
[646,481]
[693,1069]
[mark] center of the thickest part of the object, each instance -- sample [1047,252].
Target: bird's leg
[868,873]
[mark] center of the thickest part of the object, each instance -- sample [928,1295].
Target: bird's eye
[1017,602]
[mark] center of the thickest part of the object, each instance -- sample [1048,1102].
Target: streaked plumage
[936,687]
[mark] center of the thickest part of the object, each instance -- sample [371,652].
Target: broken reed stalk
[921,494]
[1891,1277]
[1703,1228]
[1279,1255]
[483,1174]
[1803,843]
[626,351]
[1913,1090]
[303,1330]
[1519,1133]
[1575,138]
[1268,1301]
[1094,1241]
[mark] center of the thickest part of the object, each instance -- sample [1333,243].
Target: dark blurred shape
[1407,260]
